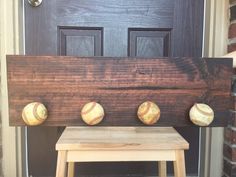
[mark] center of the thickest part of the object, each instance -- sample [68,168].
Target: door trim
[11,13]
[216,22]
[12,42]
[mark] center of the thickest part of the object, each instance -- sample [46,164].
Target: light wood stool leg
[61,164]
[162,168]
[179,164]
[71,169]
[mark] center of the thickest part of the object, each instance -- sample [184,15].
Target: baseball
[201,114]
[92,113]
[149,113]
[34,113]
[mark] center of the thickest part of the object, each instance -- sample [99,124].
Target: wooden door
[147,28]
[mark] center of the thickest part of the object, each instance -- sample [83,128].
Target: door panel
[150,28]
[149,42]
[76,41]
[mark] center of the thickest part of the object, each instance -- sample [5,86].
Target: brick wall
[230,132]
[230,152]
[232,27]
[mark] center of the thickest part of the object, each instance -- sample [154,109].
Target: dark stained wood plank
[65,84]
[65,110]
[118,73]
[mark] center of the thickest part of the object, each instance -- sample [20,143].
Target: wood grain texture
[179,164]
[120,139]
[61,164]
[120,85]
[162,168]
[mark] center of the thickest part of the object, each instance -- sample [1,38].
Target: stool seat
[118,138]
[103,144]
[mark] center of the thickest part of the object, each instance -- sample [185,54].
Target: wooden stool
[104,144]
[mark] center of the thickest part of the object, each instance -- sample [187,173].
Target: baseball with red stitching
[201,114]
[149,113]
[34,113]
[92,113]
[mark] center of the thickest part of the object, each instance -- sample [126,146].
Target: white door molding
[10,35]
[214,45]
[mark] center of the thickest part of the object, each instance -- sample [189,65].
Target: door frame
[12,42]
[215,41]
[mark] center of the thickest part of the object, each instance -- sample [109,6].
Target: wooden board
[120,85]
[120,138]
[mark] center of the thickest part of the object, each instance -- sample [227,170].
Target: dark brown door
[147,28]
